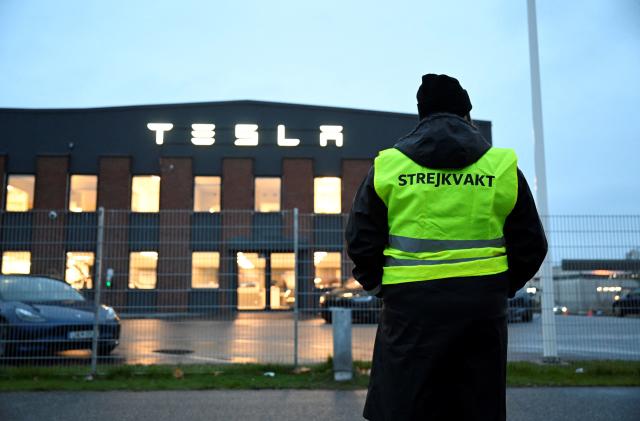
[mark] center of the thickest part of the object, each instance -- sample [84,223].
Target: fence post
[97,286]
[296,315]
[549,337]
[342,356]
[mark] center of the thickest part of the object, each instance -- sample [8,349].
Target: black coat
[441,346]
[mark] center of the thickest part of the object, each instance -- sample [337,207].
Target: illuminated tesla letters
[204,134]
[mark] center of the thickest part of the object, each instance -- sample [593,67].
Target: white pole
[549,344]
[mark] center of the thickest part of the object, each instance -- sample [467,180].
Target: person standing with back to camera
[444,229]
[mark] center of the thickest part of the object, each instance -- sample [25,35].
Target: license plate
[81,334]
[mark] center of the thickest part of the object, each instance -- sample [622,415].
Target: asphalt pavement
[269,337]
[523,404]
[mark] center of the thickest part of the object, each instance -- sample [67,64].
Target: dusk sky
[360,54]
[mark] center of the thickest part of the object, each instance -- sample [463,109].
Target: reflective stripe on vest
[445,223]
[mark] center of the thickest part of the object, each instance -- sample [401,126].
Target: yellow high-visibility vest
[445,223]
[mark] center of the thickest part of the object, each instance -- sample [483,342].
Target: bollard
[342,358]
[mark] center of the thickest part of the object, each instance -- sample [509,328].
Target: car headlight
[111,313]
[28,316]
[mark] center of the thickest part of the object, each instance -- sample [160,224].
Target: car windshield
[35,289]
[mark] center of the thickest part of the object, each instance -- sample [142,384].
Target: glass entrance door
[251,281]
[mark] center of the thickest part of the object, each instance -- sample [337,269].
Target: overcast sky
[362,54]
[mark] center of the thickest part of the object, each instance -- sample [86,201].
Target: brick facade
[174,264]
[48,235]
[353,172]
[297,184]
[114,194]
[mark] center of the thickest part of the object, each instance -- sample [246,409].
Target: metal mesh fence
[118,287]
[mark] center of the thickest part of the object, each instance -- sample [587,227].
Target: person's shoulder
[503,152]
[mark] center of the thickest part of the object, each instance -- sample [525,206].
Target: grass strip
[320,376]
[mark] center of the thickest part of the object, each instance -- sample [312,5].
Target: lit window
[83,193]
[267,194]
[79,270]
[326,195]
[283,280]
[206,194]
[20,192]
[142,269]
[204,269]
[145,193]
[18,262]
[251,281]
[327,269]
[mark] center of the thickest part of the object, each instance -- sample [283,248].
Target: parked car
[520,307]
[627,304]
[366,308]
[45,315]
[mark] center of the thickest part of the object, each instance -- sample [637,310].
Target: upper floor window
[326,195]
[20,190]
[206,194]
[83,193]
[267,194]
[145,193]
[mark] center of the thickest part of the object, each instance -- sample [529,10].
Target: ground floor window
[143,267]
[251,281]
[79,271]
[204,269]
[16,262]
[283,281]
[328,269]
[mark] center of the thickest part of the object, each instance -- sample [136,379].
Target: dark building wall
[237,183]
[114,194]
[114,182]
[88,134]
[48,235]
[297,184]
[3,179]
[174,246]
[353,172]
[176,183]
[51,182]
[115,143]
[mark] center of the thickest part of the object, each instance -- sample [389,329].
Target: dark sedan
[520,307]
[366,309]
[40,315]
[628,304]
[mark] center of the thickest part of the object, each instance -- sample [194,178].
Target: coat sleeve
[525,238]
[367,234]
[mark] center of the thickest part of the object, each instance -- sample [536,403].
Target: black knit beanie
[442,94]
